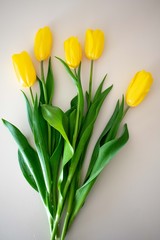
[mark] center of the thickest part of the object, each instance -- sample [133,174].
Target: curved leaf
[56,118]
[29,111]
[40,143]
[106,153]
[26,171]
[101,140]
[50,82]
[99,89]
[29,156]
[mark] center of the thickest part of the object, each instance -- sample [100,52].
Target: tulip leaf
[72,118]
[74,102]
[99,89]
[114,129]
[106,153]
[50,82]
[101,141]
[95,108]
[56,118]
[40,143]
[55,161]
[42,100]
[29,111]
[86,131]
[87,99]
[74,78]
[29,157]
[26,171]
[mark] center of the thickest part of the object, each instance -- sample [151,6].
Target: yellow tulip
[138,88]
[73,52]
[43,44]
[24,69]
[94,44]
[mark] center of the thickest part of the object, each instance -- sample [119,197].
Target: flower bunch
[54,165]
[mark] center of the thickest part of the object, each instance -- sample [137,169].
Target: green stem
[69,209]
[90,82]
[43,83]
[56,220]
[31,93]
[81,202]
[126,110]
[80,107]
[76,124]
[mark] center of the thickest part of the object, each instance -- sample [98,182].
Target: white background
[125,202]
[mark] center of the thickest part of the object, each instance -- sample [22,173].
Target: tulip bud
[73,52]
[24,69]
[94,44]
[138,88]
[43,44]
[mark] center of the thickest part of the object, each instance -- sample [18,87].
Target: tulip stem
[90,82]
[30,89]
[43,83]
[126,110]
[69,208]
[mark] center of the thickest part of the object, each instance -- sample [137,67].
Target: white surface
[125,202]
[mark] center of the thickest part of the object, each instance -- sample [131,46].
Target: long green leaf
[85,134]
[41,145]
[95,108]
[74,78]
[115,126]
[42,100]
[29,111]
[56,118]
[50,82]
[101,141]
[99,89]
[106,153]
[55,162]
[26,171]
[29,156]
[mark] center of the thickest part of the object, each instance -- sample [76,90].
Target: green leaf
[106,153]
[26,171]
[99,89]
[86,132]
[74,102]
[42,100]
[43,154]
[29,111]
[72,118]
[95,108]
[29,156]
[101,140]
[55,162]
[50,82]
[74,78]
[56,118]
[87,99]
[115,126]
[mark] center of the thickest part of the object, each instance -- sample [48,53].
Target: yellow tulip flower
[24,69]
[138,88]
[94,44]
[73,52]
[43,44]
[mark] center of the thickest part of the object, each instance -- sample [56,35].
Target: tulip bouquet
[53,166]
